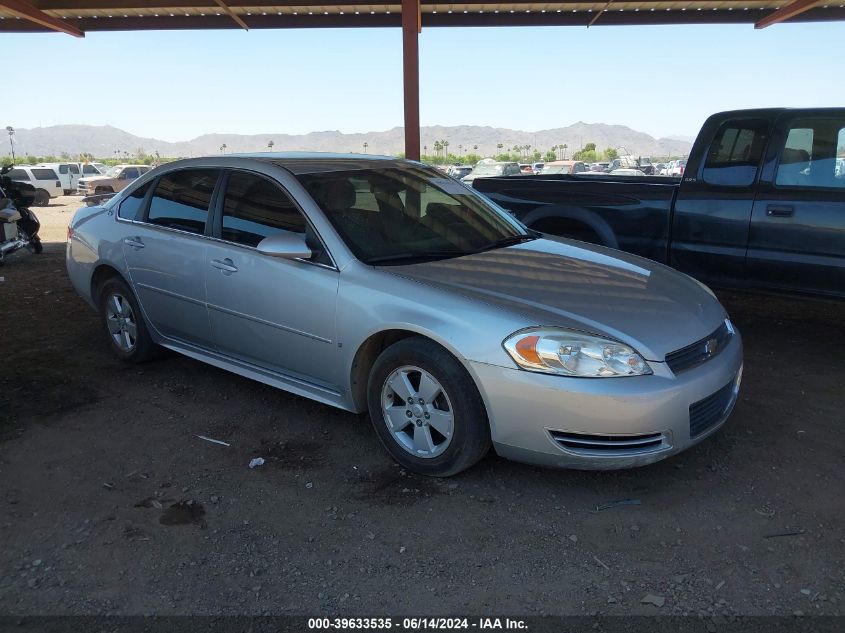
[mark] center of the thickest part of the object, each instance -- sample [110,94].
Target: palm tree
[425,150]
[270,144]
[366,145]
[223,148]
[446,148]
[564,147]
[499,147]
[438,146]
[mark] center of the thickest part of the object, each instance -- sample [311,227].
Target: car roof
[302,162]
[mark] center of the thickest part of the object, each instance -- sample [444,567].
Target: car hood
[95,178]
[562,283]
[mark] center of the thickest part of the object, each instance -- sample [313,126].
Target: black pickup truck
[761,203]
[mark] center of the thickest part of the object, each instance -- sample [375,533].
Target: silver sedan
[369,283]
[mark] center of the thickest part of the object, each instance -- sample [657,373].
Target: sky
[662,80]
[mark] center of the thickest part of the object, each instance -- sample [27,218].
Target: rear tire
[128,335]
[42,198]
[426,409]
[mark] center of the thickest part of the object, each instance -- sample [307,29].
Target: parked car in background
[113,181]
[627,172]
[564,167]
[645,166]
[600,166]
[526,169]
[489,168]
[537,167]
[660,169]
[459,171]
[623,162]
[460,329]
[69,174]
[45,180]
[760,204]
[676,168]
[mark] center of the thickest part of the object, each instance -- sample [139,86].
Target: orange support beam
[28,12]
[411,27]
[784,13]
[232,14]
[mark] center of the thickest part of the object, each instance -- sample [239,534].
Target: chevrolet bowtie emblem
[711,346]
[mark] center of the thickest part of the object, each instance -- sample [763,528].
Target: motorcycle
[18,225]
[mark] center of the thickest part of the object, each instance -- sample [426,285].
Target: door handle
[225,265]
[134,242]
[779,211]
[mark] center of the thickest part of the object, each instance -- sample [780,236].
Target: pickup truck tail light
[58,183]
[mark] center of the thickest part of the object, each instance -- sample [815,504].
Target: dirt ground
[111,504]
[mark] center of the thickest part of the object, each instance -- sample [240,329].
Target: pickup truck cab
[113,181]
[761,203]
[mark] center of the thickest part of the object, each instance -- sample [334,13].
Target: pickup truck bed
[761,203]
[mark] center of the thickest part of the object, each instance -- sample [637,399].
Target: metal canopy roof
[81,16]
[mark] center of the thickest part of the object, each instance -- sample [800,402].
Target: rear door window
[130,172]
[813,155]
[44,174]
[734,156]
[74,168]
[181,200]
[18,174]
[131,204]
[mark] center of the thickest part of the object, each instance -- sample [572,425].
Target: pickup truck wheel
[42,198]
[426,409]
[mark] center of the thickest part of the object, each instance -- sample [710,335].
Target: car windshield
[488,170]
[404,214]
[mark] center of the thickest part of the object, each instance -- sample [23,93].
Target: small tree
[610,154]
[550,156]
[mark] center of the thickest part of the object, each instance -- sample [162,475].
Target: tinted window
[63,169]
[255,208]
[181,200]
[132,203]
[44,174]
[89,169]
[405,213]
[18,174]
[130,172]
[74,168]
[735,154]
[813,155]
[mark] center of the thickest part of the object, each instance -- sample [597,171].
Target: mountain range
[106,141]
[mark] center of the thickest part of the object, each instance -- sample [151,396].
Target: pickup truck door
[716,197]
[796,239]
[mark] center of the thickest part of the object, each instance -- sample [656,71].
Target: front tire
[129,338]
[426,409]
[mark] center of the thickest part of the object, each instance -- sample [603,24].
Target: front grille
[700,351]
[704,414]
[609,444]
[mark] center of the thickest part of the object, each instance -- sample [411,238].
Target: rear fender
[580,215]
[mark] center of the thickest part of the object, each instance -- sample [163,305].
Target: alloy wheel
[417,412]
[120,319]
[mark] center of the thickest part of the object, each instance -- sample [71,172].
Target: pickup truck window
[812,155]
[734,155]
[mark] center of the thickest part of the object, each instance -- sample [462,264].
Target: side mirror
[286,246]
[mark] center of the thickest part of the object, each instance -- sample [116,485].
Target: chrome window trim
[228,243]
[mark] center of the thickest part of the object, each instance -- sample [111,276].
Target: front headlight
[569,353]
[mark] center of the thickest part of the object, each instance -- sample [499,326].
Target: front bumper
[608,423]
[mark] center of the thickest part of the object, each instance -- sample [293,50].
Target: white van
[44,179]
